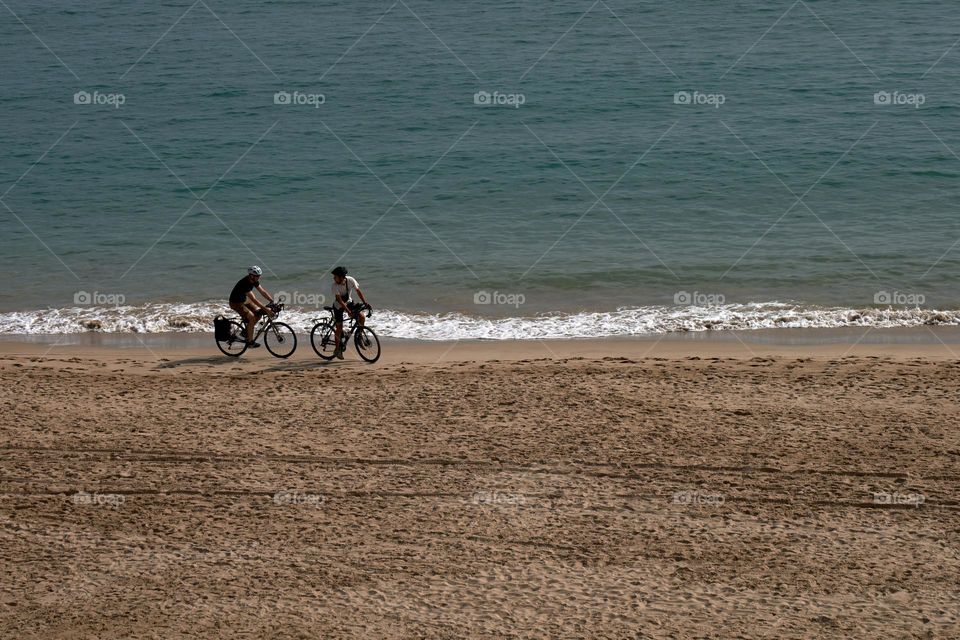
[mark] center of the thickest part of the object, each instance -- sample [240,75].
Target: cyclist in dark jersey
[244,302]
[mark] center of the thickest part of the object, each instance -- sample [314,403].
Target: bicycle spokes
[280,339]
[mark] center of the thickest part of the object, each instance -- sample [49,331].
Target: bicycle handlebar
[363,307]
[276,307]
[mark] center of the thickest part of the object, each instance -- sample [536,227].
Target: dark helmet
[339,271]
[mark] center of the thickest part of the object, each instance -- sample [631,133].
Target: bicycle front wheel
[367,343]
[323,339]
[280,339]
[236,342]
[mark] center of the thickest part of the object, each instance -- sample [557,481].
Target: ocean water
[495,170]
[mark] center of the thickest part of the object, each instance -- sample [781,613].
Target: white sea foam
[197,317]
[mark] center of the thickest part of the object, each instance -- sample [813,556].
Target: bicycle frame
[263,323]
[347,331]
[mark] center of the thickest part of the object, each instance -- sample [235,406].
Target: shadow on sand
[313,365]
[207,360]
[222,362]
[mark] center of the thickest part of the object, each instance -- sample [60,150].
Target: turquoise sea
[497,169]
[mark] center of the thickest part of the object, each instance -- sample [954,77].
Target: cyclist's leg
[359,313]
[244,310]
[253,314]
[338,327]
[358,310]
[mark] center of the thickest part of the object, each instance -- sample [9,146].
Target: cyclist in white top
[343,288]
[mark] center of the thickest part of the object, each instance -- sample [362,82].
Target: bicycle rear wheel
[236,343]
[323,339]
[280,339]
[367,343]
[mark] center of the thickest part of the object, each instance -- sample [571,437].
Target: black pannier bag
[221,329]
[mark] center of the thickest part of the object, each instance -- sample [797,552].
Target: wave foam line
[197,317]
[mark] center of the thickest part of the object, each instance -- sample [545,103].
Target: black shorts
[354,307]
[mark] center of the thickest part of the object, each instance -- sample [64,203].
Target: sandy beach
[607,489]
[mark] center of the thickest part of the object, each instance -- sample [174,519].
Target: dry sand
[568,489]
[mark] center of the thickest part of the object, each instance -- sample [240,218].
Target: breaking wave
[197,317]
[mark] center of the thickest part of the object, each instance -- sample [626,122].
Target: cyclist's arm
[360,293]
[343,304]
[264,292]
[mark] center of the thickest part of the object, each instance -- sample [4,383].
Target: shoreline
[929,343]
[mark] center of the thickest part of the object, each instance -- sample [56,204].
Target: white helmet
[255,271]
